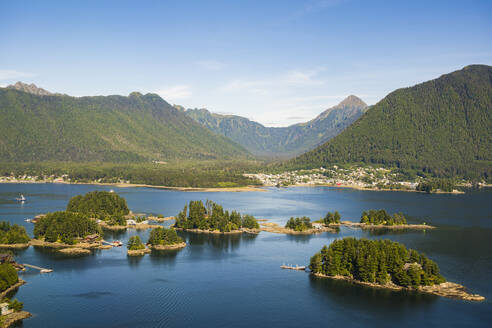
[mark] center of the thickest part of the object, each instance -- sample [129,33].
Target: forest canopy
[377,217]
[212,217]
[12,234]
[164,236]
[299,224]
[65,227]
[8,276]
[103,205]
[376,261]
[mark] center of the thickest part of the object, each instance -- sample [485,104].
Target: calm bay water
[225,281]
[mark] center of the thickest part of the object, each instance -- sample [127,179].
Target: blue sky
[277,62]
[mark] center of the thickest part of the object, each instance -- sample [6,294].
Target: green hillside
[282,142]
[137,128]
[442,127]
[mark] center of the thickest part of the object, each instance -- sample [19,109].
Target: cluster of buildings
[360,177]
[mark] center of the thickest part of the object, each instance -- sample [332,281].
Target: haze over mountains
[282,142]
[443,126]
[36,125]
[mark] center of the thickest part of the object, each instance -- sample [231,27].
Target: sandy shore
[275,228]
[14,246]
[446,289]
[133,185]
[138,252]
[382,226]
[14,317]
[167,247]
[12,288]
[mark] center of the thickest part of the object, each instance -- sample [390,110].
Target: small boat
[28,220]
[21,198]
[117,243]
[111,191]
[46,270]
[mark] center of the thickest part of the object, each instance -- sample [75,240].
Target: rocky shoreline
[382,226]
[445,289]
[167,247]
[138,252]
[14,246]
[242,230]
[12,318]
[138,226]
[12,288]
[275,228]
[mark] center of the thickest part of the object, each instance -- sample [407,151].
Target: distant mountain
[30,88]
[38,126]
[443,126]
[286,141]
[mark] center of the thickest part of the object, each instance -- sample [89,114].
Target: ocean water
[235,280]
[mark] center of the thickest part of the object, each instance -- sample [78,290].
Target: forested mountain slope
[137,128]
[443,126]
[285,141]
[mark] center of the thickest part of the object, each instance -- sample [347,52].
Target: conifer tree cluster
[299,224]
[135,243]
[65,227]
[164,236]
[12,234]
[103,205]
[332,218]
[377,217]
[8,276]
[212,216]
[376,261]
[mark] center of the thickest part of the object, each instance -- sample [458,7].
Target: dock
[291,267]
[41,270]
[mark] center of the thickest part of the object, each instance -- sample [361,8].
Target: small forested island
[211,218]
[136,247]
[74,233]
[13,236]
[384,264]
[106,206]
[164,238]
[374,219]
[295,226]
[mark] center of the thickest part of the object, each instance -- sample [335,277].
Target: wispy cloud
[211,65]
[264,86]
[311,7]
[6,74]
[175,92]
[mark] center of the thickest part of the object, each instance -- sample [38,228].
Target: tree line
[13,234]
[212,216]
[376,261]
[102,205]
[299,224]
[378,217]
[65,227]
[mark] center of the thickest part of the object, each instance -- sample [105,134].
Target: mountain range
[282,142]
[36,125]
[442,126]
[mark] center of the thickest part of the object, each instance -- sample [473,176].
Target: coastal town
[357,177]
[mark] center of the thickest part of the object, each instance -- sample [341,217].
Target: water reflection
[224,242]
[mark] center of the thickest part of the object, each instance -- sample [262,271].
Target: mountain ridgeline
[282,142]
[38,126]
[442,127]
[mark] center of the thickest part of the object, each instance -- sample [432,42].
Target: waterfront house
[318,226]
[91,238]
[5,258]
[131,222]
[4,309]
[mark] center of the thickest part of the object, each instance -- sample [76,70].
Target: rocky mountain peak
[30,88]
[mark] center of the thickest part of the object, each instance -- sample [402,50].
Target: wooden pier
[41,270]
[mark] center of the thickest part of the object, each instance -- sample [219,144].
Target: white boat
[21,198]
